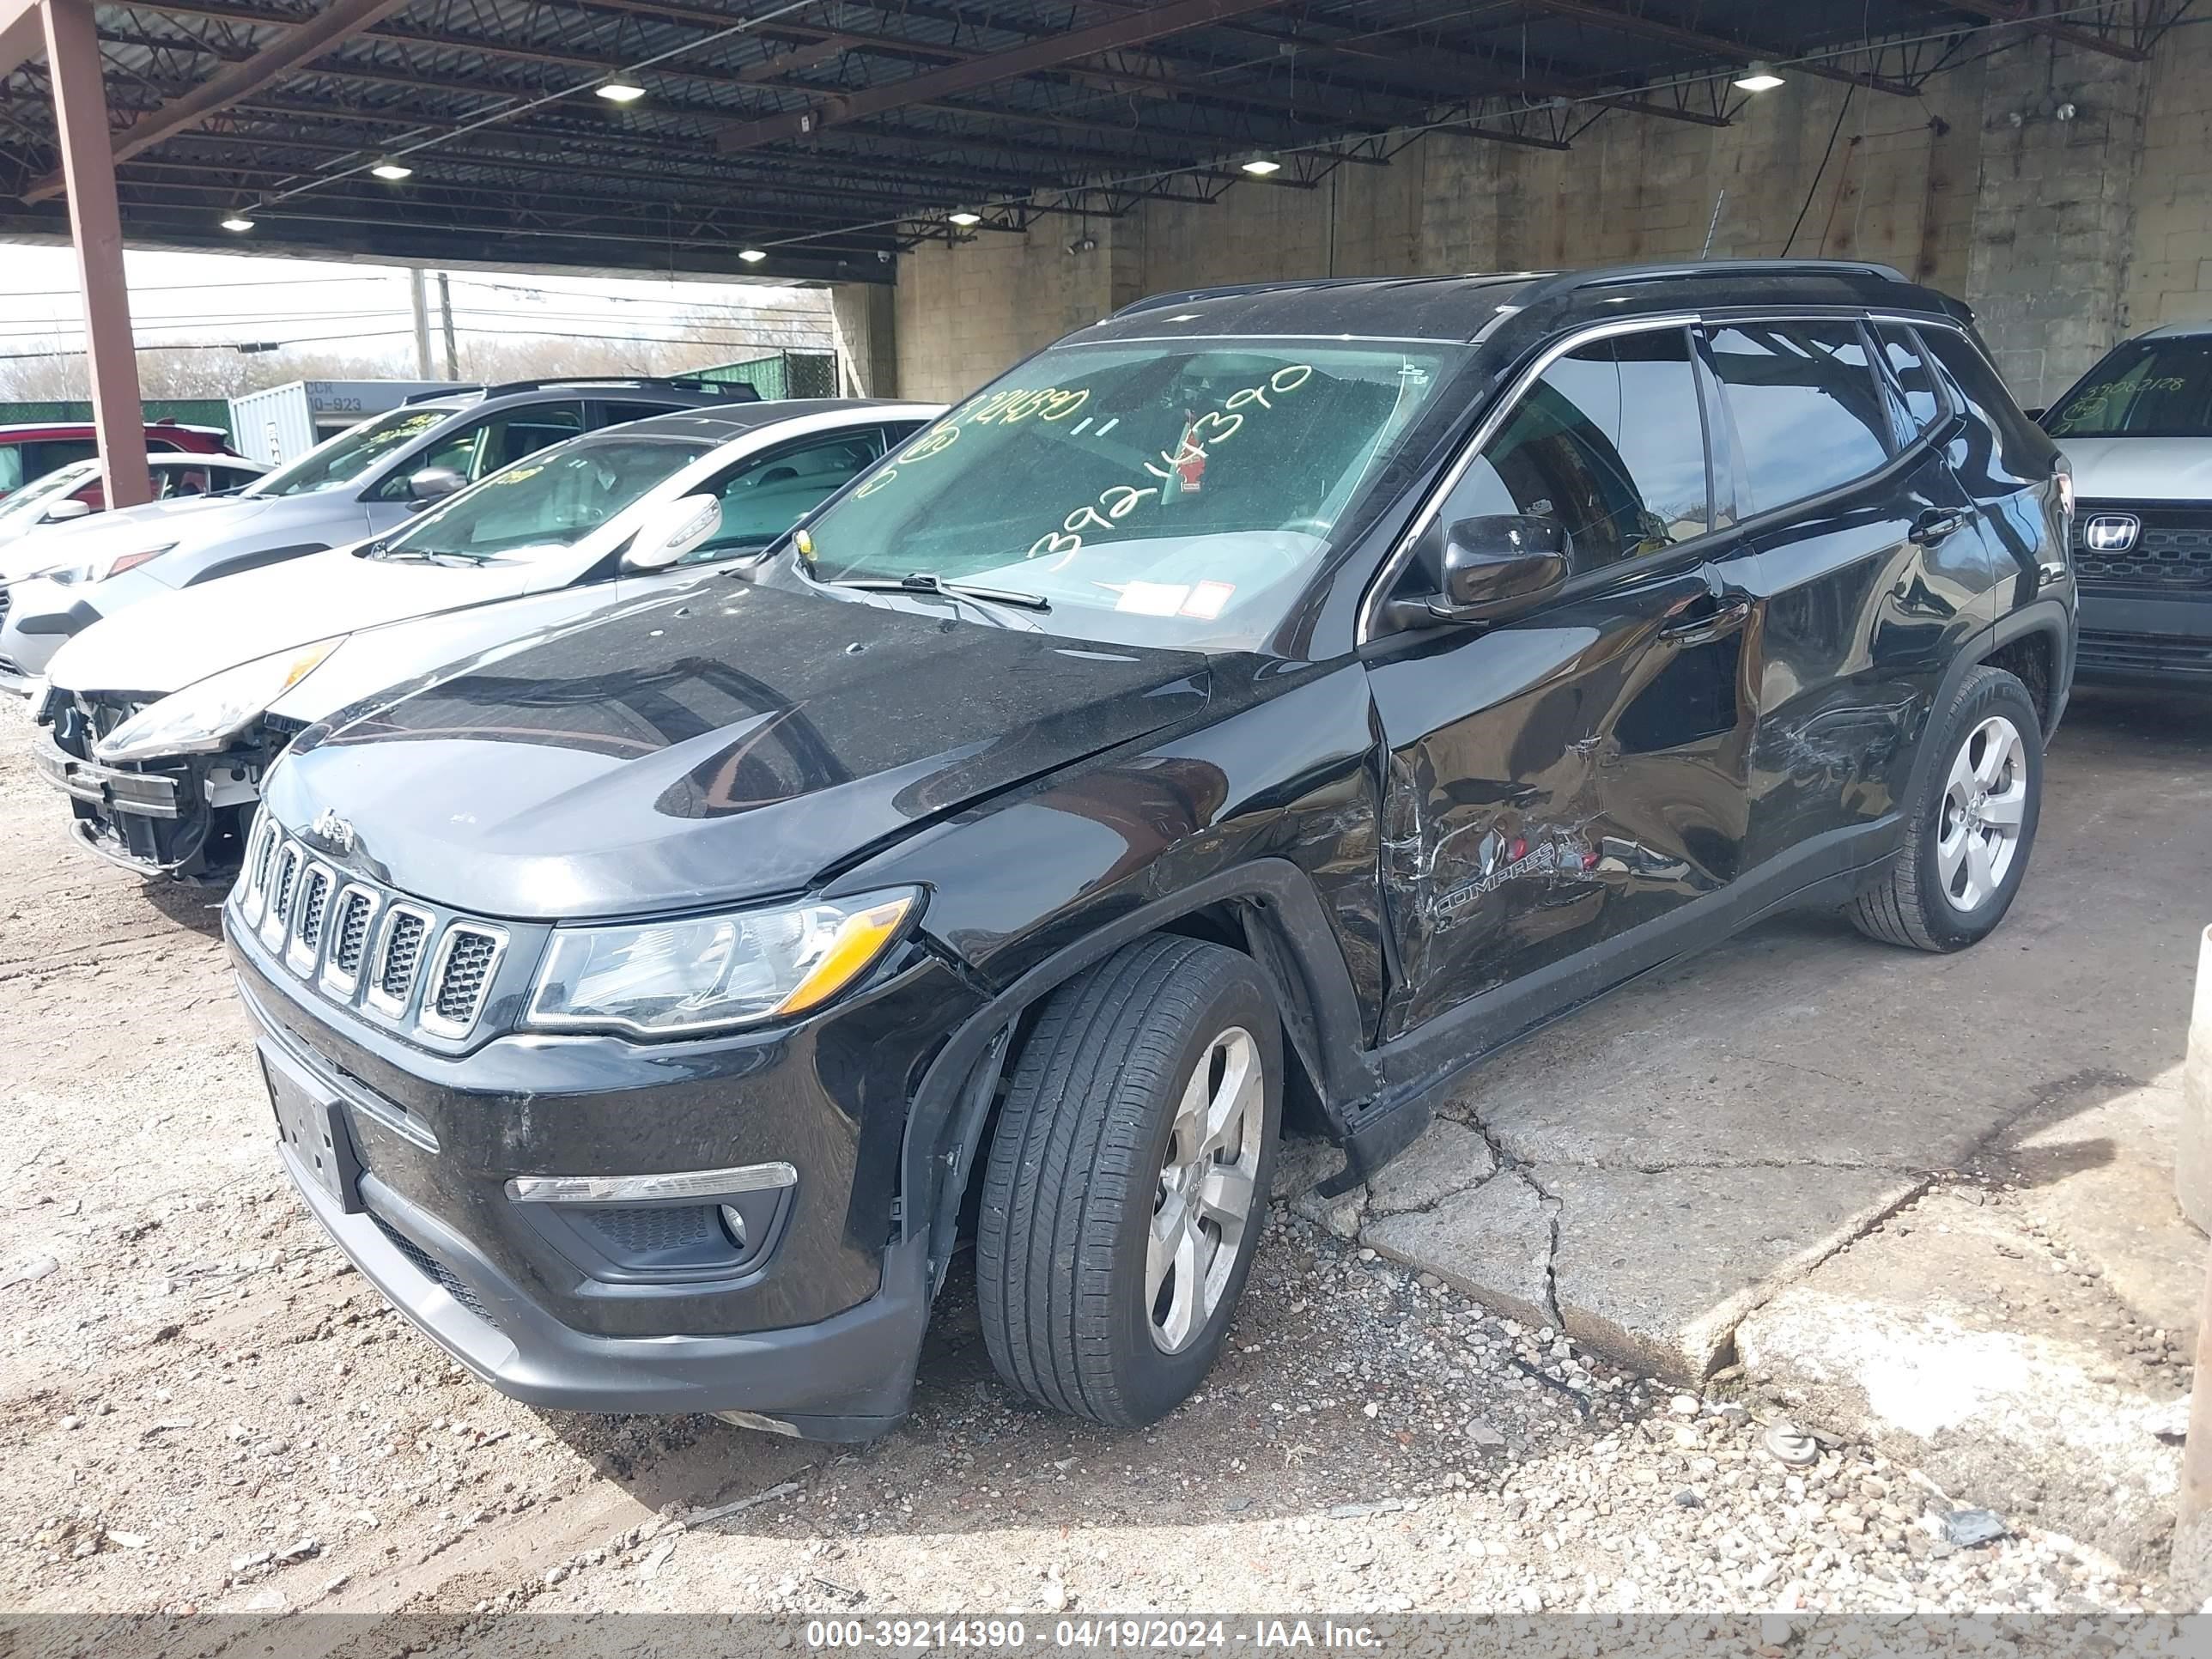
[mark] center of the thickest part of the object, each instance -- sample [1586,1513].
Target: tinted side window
[478,450]
[1916,378]
[54,453]
[1610,442]
[2024,451]
[1808,412]
[765,497]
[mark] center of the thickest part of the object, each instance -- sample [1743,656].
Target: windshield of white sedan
[352,453]
[545,503]
[1172,493]
[2148,388]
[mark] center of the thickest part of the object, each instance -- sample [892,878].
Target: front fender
[1261,816]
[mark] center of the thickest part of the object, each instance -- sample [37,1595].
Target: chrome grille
[403,954]
[358,942]
[7,598]
[466,957]
[2173,547]
[353,930]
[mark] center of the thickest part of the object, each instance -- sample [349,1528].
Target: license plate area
[313,1128]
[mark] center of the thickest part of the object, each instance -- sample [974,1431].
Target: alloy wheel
[1985,799]
[1206,1190]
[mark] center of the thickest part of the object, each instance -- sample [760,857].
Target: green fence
[185,411]
[782,373]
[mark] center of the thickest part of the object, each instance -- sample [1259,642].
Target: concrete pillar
[96,227]
[2047,266]
[865,317]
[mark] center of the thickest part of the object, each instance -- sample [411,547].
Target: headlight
[204,717]
[660,978]
[101,566]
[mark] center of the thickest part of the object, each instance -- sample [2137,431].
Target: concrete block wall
[2064,235]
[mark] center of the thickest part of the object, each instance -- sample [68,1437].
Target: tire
[1079,1179]
[1939,893]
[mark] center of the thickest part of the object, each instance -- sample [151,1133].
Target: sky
[205,299]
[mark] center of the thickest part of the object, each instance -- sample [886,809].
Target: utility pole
[445,305]
[418,299]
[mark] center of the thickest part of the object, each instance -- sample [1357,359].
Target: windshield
[549,502]
[2145,389]
[352,453]
[24,508]
[1178,494]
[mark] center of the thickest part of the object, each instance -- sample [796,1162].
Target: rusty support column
[96,227]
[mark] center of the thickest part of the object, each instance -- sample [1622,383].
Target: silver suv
[362,483]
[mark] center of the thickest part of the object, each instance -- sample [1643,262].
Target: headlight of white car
[99,567]
[204,717]
[705,973]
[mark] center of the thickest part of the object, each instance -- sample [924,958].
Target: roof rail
[1569,281]
[1230,290]
[441,392]
[680,382]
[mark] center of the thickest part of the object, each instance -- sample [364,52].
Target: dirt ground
[202,1408]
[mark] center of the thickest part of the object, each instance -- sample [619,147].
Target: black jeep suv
[1268,699]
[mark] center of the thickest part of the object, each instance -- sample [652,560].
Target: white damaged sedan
[160,721]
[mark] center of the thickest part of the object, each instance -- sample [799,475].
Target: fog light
[734,1222]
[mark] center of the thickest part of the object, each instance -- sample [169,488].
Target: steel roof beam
[1051,51]
[1714,45]
[2003,11]
[326,29]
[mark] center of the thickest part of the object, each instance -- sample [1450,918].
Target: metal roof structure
[830,135]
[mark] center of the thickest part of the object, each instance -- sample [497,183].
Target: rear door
[1561,779]
[1868,569]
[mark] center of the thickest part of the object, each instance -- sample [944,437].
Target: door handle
[1933,524]
[1719,622]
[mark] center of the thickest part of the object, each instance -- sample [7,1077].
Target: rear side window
[2024,451]
[1915,379]
[1610,443]
[1808,412]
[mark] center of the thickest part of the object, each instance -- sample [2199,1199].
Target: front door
[1562,779]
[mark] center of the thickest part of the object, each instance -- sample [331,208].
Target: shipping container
[282,423]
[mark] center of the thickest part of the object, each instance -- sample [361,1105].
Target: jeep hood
[172,640]
[718,743]
[2140,469]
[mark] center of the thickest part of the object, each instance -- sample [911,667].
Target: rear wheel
[1971,826]
[1126,1186]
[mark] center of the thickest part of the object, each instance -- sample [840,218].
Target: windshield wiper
[415,555]
[927,581]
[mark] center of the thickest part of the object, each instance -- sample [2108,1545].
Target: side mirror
[67,508]
[1489,569]
[671,531]
[435,483]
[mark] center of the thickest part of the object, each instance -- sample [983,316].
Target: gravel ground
[202,1408]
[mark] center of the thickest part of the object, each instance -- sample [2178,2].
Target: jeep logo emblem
[329,827]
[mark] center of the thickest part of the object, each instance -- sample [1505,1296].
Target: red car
[35,448]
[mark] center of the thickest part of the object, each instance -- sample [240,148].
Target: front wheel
[1127,1182]
[1971,825]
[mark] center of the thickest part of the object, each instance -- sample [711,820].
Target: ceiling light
[392,171]
[1759,78]
[1261,166]
[964,218]
[621,92]
[751,255]
[237,221]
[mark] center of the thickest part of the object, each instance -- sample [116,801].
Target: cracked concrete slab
[1493,1243]
[1450,1158]
[1714,1129]
[1959,1339]
[1656,1268]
